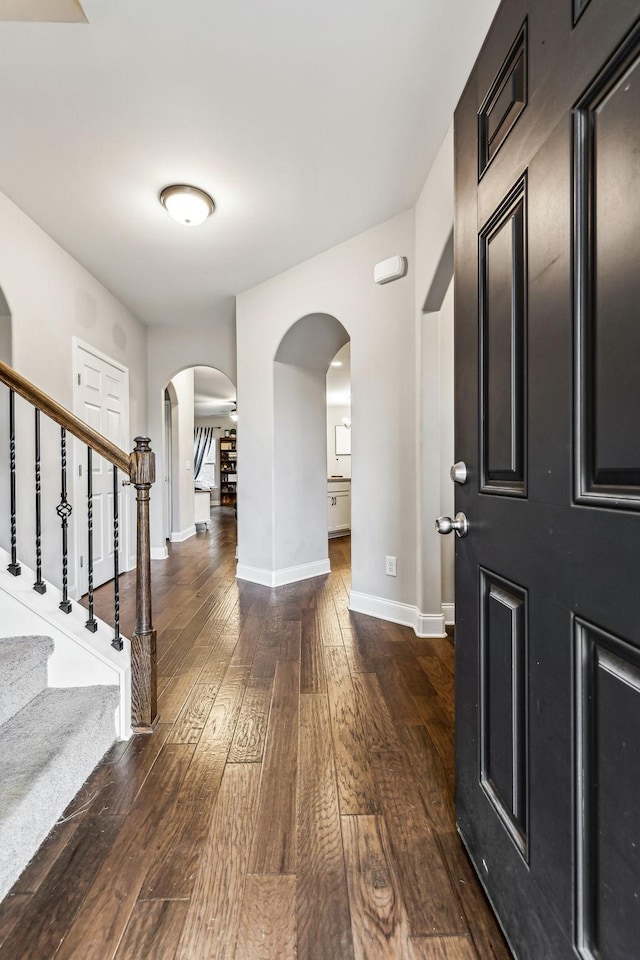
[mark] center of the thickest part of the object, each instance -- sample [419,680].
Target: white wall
[336,465]
[447,455]
[380,322]
[170,350]
[434,340]
[300,485]
[5,339]
[52,298]
[182,506]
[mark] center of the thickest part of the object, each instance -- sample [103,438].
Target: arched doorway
[300,531]
[199,403]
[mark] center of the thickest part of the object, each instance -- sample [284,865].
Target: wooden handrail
[110,451]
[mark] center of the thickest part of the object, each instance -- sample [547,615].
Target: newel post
[144,699]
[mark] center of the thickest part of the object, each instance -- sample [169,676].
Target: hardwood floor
[296,799]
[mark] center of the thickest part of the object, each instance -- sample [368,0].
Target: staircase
[69,683]
[50,741]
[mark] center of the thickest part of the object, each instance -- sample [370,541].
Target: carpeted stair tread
[23,671]
[47,751]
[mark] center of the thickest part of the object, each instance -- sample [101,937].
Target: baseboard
[430,625]
[178,536]
[159,553]
[423,624]
[303,571]
[449,613]
[255,575]
[278,578]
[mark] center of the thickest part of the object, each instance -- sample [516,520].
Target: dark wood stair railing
[139,466]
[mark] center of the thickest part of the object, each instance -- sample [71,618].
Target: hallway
[296,799]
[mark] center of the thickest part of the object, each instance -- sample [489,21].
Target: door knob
[446,525]
[458,472]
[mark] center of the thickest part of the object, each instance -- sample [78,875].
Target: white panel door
[101,401]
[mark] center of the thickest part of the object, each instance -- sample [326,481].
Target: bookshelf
[228,471]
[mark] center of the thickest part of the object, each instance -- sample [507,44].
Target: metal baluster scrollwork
[117,640]
[92,623]
[64,510]
[39,586]
[14,567]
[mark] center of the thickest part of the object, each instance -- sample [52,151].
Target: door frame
[167,512]
[80,582]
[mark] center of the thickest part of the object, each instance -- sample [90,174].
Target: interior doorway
[339,444]
[101,399]
[306,495]
[166,479]
[200,421]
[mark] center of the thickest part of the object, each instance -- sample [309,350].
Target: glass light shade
[234,417]
[187,205]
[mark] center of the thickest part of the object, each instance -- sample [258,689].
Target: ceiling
[214,395]
[308,121]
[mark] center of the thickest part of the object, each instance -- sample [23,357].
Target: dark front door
[547,300]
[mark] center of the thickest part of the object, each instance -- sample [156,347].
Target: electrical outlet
[390,567]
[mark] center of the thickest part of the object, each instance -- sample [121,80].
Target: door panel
[608,178]
[503,346]
[504,102]
[503,703]
[608,773]
[547,238]
[102,403]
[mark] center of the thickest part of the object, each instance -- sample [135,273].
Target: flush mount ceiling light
[188,205]
[336,363]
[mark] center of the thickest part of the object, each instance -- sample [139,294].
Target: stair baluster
[39,586]
[64,510]
[92,623]
[117,640]
[14,567]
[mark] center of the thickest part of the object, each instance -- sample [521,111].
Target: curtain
[203,437]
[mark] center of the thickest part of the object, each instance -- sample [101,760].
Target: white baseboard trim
[178,536]
[254,575]
[449,613]
[430,625]
[423,624]
[303,571]
[159,553]
[278,578]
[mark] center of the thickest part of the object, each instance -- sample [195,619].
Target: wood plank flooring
[295,801]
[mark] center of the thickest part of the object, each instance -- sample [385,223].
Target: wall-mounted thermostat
[391,269]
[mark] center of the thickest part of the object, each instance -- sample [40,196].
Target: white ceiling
[308,121]
[214,394]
